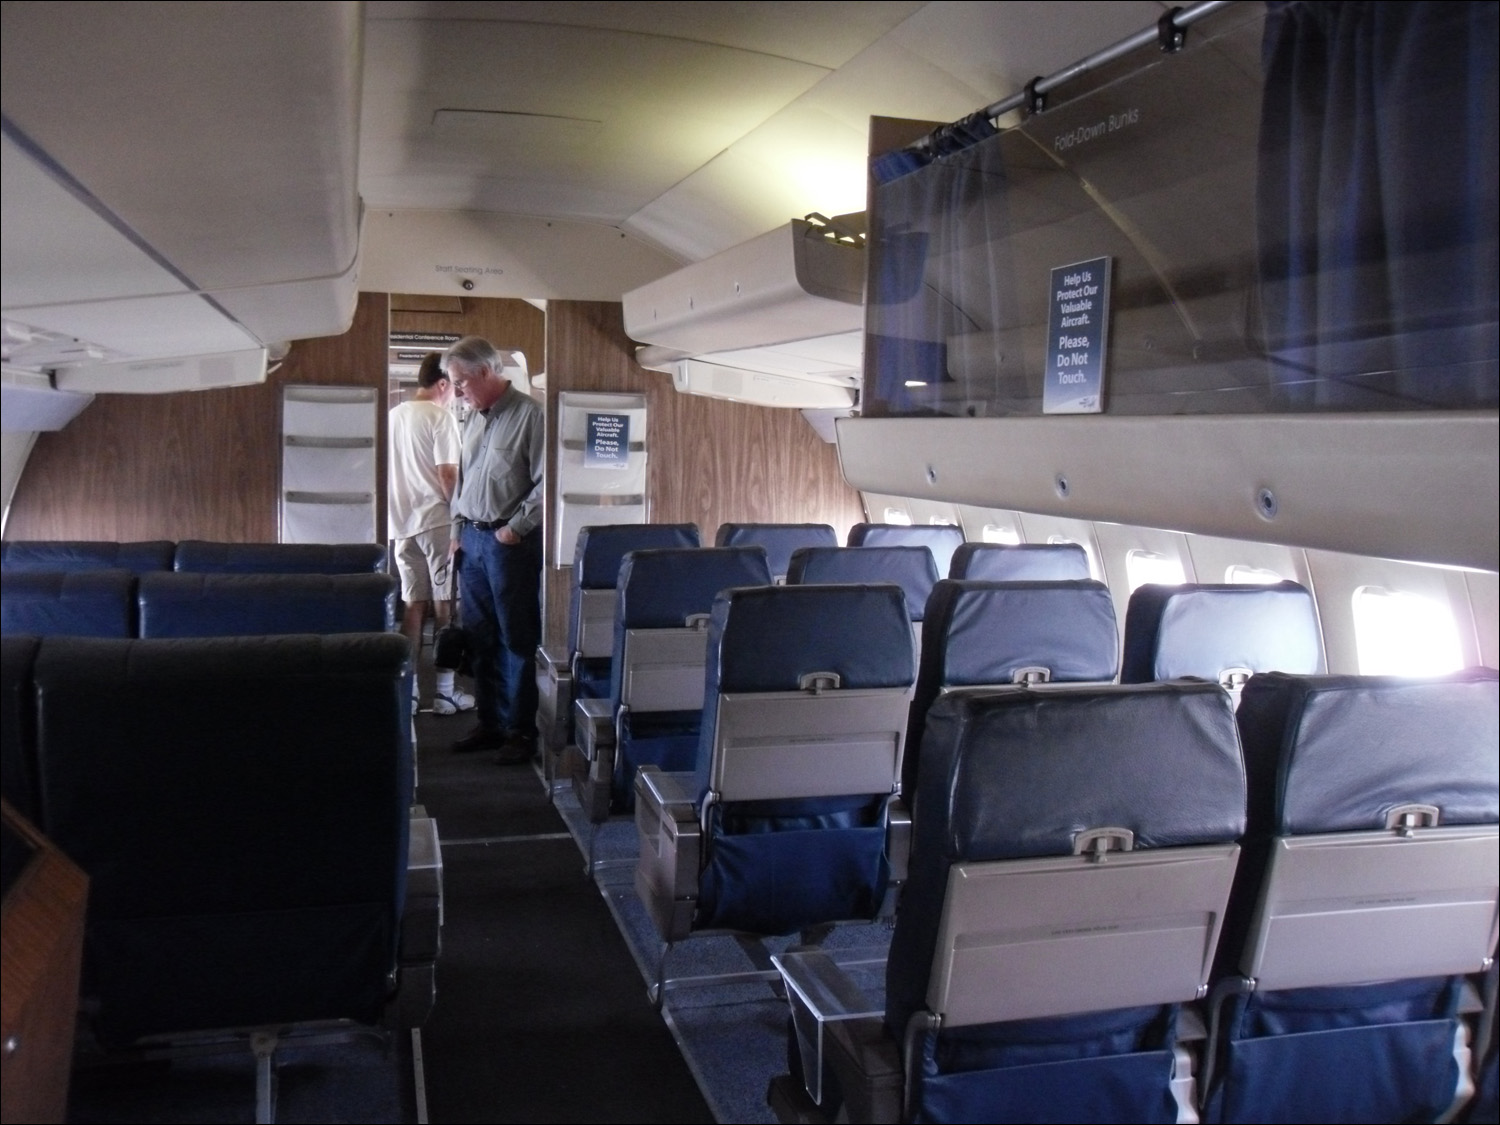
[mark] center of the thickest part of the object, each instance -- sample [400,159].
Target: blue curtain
[1377,203]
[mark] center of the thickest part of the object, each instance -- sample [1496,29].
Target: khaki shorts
[422,563]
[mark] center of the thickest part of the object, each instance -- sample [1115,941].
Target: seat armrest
[554,684]
[869,1070]
[898,839]
[671,850]
[422,916]
[594,724]
[421,923]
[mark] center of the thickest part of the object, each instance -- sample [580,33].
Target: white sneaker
[451,704]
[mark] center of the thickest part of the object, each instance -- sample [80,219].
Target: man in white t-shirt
[425,451]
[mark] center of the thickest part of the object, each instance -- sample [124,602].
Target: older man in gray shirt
[497,517]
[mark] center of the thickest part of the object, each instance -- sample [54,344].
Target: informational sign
[407,350]
[607,443]
[1077,327]
[601,465]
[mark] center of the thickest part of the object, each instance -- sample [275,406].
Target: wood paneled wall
[710,461]
[189,465]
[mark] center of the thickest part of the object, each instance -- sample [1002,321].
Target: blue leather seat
[1220,632]
[200,556]
[779,539]
[243,824]
[1072,852]
[240,605]
[81,603]
[82,554]
[580,668]
[785,823]
[989,633]
[654,709]
[1021,562]
[1368,890]
[597,557]
[941,539]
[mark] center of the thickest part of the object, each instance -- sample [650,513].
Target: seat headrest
[941,539]
[1201,630]
[1338,753]
[779,539]
[911,568]
[602,547]
[1021,562]
[83,554]
[660,589]
[199,556]
[1017,772]
[84,603]
[981,632]
[768,638]
[238,605]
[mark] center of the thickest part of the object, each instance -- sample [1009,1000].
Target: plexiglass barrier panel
[1298,210]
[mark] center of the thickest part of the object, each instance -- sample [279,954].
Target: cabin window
[1397,633]
[1142,567]
[999,533]
[896,515]
[1240,575]
[941,521]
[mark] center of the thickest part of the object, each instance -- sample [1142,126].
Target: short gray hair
[475,351]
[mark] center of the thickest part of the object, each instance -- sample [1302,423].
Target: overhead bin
[776,321]
[184,185]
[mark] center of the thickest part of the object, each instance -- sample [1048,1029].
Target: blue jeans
[501,589]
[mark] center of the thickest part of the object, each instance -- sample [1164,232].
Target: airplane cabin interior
[1020,584]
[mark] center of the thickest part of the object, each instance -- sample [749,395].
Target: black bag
[450,650]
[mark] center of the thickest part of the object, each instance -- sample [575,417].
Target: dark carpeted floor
[541,1012]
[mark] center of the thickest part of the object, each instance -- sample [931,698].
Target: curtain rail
[1166,33]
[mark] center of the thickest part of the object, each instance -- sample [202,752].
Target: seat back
[72,555]
[241,807]
[240,605]
[990,633]
[942,540]
[1371,857]
[199,556]
[80,603]
[1220,632]
[663,601]
[807,691]
[1036,965]
[597,556]
[1021,562]
[780,540]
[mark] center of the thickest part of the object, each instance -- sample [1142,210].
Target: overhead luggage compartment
[180,180]
[775,321]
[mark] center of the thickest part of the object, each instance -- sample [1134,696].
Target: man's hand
[507,536]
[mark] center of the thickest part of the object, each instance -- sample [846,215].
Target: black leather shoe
[517,748]
[480,738]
